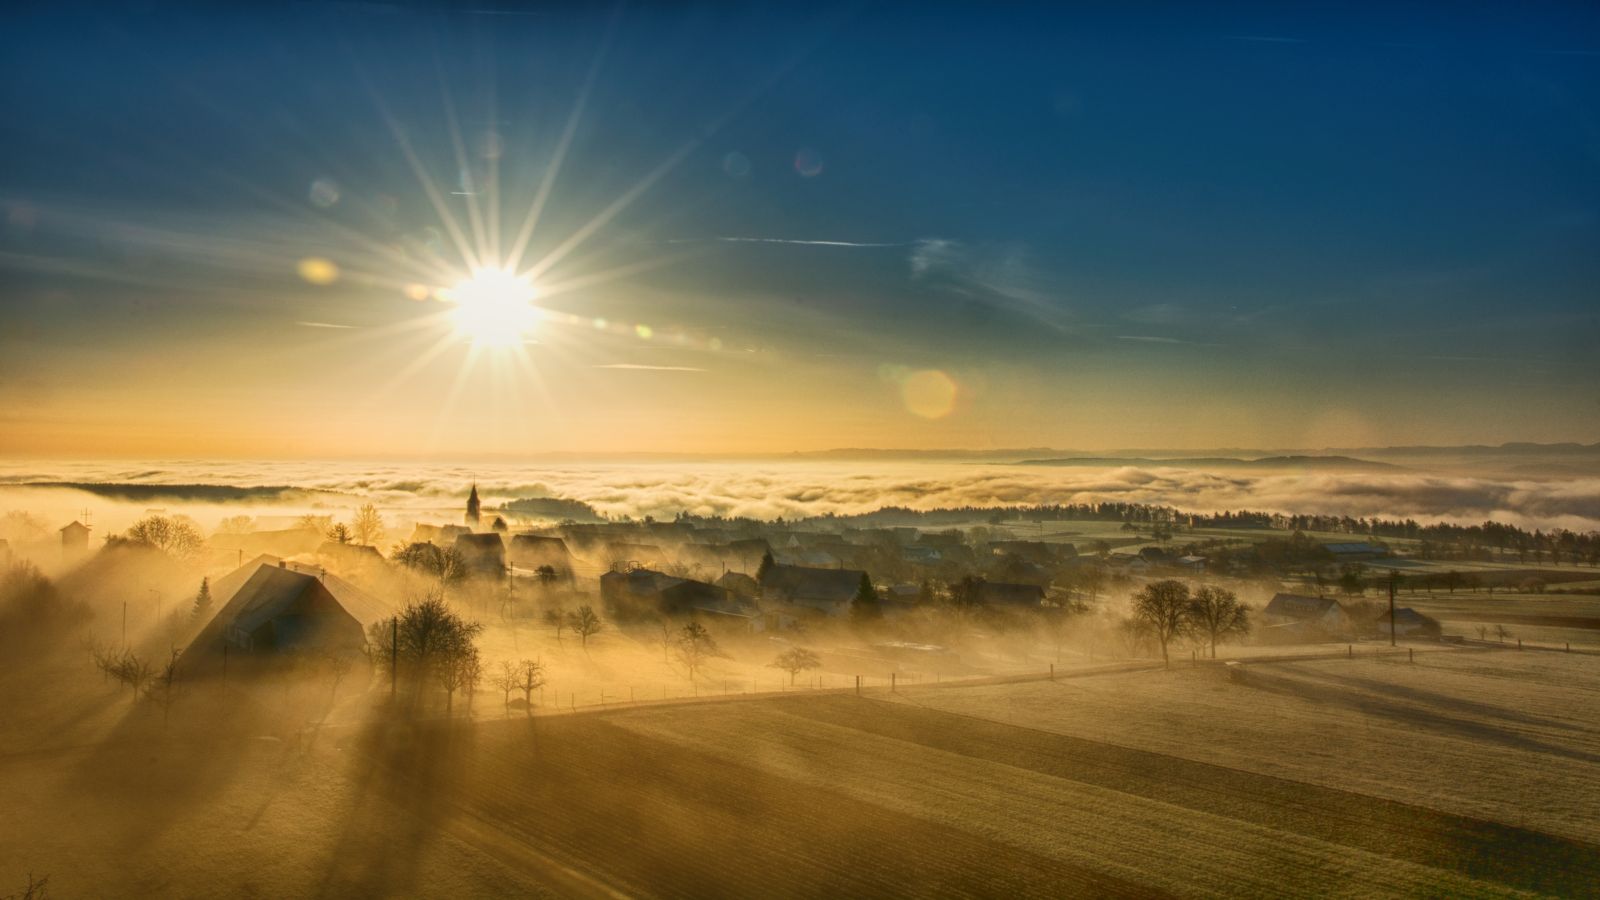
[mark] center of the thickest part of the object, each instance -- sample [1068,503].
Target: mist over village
[820,451]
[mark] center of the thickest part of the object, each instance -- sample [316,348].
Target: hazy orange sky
[788,233]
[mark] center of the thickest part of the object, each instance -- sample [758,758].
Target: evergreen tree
[864,606]
[202,601]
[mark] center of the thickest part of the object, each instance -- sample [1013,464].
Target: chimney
[283,564]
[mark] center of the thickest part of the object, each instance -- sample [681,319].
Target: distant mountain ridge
[1341,463]
[1217,455]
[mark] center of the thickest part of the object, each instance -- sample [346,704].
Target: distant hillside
[554,508]
[191,493]
[1339,463]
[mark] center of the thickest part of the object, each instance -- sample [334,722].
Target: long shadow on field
[1372,704]
[402,771]
[1517,857]
[1459,704]
[659,819]
[151,771]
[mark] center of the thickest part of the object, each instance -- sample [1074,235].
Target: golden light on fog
[493,308]
[929,393]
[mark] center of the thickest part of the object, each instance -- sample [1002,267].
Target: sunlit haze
[808,450]
[1084,229]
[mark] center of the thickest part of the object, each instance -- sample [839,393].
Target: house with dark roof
[644,593]
[274,613]
[1010,595]
[1356,551]
[350,556]
[1409,623]
[75,537]
[739,585]
[530,551]
[828,591]
[484,553]
[1294,613]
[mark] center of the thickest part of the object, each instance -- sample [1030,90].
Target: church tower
[472,507]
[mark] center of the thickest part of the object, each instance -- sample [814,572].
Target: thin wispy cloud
[323,325]
[1002,276]
[1159,339]
[639,367]
[1263,38]
[792,241]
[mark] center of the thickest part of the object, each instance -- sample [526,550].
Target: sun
[493,308]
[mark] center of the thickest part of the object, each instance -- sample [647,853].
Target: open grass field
[1470,773]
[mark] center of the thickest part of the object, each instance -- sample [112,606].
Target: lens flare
[316,270]
[929,393]
[493,308]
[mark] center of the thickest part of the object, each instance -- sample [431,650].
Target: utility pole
[1392,576]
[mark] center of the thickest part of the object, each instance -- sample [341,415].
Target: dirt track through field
[1515,857]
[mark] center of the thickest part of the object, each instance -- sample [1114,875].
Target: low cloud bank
[795,490]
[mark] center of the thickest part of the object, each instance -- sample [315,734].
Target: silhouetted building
[642,593]
[473,512]
[826,590]
[1409,622]
[277,612]
[530,551]
[739,584]
[75,538]
[1293,613]
[1000,593]
[484,554]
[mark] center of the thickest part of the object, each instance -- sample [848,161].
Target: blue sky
[1106,225]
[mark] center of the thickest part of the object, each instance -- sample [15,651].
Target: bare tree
[339,665]
[556,618]
[666,638]
[1501,632]
[36,889]
[175,536]
[339,532]
[446,565]
[695,646]
[368,525]
[1164,609]
[796,660]
[1132,633]
[585,622]
[133,671]
[530,677]
[506,679]
[471,676]
[163,687]
[426,639]
[1215,614]
[1057,621]
[458,669]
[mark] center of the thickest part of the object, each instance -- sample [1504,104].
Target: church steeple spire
[472,506]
